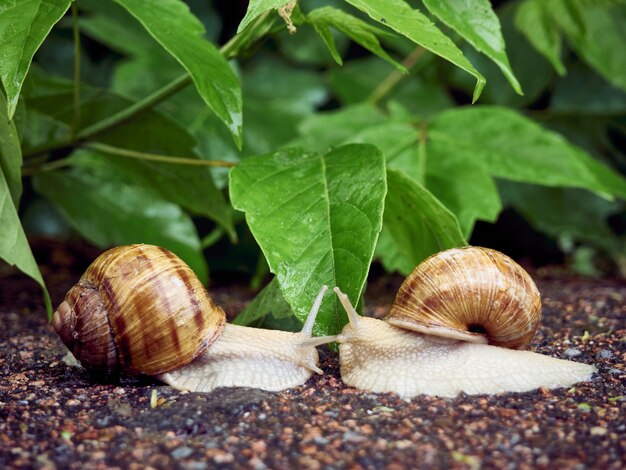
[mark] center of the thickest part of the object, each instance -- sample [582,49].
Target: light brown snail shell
[137,309]
[474,294]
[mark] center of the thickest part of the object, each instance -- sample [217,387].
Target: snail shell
[137,309]
[474,294]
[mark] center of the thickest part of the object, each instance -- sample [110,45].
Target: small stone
[181,452]
[598,431]
[604,354]
[572,352]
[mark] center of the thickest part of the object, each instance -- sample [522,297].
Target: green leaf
[359,31]
[477,23]
[532,70]
[570,214]
[464,187]
[533,20]
[14,247]
[111,211]
[258,7]
[508,145]
[189,186]
[317,219]
[10,154]
[413,24]
[324,130]
[415,225]
[269,301]
[23,27]
[172,24]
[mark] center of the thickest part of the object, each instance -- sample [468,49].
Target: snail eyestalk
[353,317]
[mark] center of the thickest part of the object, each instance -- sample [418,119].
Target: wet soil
[53,415]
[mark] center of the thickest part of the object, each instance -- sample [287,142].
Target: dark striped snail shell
[137,309]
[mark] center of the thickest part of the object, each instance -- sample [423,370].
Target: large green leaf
[189,186]
[256,8]
[358,30]
[464,187]
[510,146]
[23,27]
[317,219]
[415,225]
[533,21]
[413,24]
[172,24]
[111,211]
[477,23]
[10,154]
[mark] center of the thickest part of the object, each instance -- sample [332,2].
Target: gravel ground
[54,416]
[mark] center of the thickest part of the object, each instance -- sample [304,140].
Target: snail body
[139,309]
[447,330]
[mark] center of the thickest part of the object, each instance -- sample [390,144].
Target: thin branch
[391,80]
[121,152]
[133,110]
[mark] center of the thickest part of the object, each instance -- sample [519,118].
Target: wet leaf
[477,23]
[172,24]
[317,219]
[415,225]
[23,27]
[359,31]
[256,8]
[10,154]
[413,24]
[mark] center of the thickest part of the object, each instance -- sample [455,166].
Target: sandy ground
[54,416]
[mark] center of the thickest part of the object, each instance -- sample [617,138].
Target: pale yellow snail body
[139,309]
[449,331]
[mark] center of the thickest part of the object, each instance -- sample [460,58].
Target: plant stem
[120,152]
[136,108]
[146,103]
[50,166]
[391,80]
[76,30]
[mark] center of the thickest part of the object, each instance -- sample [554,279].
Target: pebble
[604,354]
[598,431]
[181,453]
[572,352]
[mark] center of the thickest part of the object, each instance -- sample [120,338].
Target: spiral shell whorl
[141,305]
[471,293]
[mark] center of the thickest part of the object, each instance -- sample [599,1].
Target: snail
[456,325]
[139,309]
